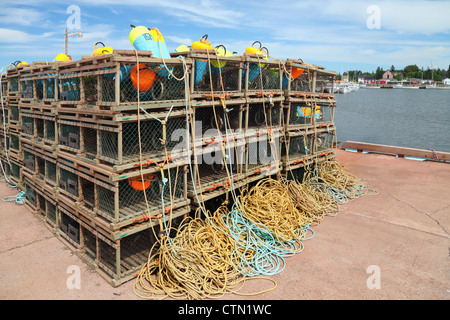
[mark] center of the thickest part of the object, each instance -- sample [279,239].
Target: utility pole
[68,35]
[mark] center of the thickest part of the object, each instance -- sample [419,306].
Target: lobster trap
[116,257]
[324,113]
[15,144]
[263,116]
[118,81]
[300,115]
[121,141]
[216,122]
[324,82]
[38,124]
[14,115]
[298,77]
[4,86]
[263,155]
[216,169]
[297,148]
[40,162]
[261,75]
[125,199]
[324,140]
[212,73]
[41,199]
[13,88]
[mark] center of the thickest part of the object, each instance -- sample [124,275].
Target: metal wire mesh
[264,76]
[296,174]
[69,136]
[30,195]
[214,76]
[298,83]
[298,147]
[50,172]
[263,116]
[89,242]
[41,167]
[130,194]
[90,142]
[49,88]
[13,84]
[324,82]
[324,141]
[300,114]
[40,128]
[52,212]
[15,143]
[133,252]
[27,90]
[324,113]
[210,120]
[70,88]
[153,145]
[68,182]
[212,170]
[69,227]
[155,83]
[29,161]
[109,145]
[50,131]
[14,113]
[28,125]
[261,154]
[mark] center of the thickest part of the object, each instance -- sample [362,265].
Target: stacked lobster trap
[111,150]
[309,130]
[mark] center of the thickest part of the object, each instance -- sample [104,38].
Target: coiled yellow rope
[213,255]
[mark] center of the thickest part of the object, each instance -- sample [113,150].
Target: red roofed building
[388,75]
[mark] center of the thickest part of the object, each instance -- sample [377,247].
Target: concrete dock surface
[393,245]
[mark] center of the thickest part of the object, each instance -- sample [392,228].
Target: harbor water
[413,118]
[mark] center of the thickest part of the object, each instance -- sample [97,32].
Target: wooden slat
[400,151]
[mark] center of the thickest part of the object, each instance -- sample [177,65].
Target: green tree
[379,73]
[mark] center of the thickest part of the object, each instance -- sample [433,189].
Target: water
[397,117]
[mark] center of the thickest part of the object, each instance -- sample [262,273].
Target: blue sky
[339,35]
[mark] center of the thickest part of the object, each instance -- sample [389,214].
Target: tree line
[409,72]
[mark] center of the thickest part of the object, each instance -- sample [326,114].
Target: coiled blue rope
[19,198]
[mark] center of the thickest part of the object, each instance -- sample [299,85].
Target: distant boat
[344,88]
[353,86]
[370,86]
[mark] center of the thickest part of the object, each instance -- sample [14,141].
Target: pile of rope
[213,254]
[340,184]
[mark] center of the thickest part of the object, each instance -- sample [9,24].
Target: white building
[446,82]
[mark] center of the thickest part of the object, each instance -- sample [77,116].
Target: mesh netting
[263,76]
[300,114]
[324,141]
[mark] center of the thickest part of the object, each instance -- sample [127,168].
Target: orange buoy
[296,72]
[146,77]
[138,184]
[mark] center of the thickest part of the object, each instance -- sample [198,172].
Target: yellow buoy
[21,64]
[61,57]
[221,52]
[101,51]
[203,43]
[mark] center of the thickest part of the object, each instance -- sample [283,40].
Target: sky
[339,35]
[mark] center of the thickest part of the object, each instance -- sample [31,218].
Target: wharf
[403,232]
